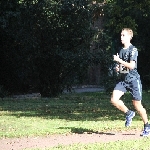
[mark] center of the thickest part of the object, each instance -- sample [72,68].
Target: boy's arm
[130,65]
[116,67]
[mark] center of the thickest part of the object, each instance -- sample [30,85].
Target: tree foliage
[46,43]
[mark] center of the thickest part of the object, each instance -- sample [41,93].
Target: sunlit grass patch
[69,113]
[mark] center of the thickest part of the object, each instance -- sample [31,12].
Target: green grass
[70,113]
[142,144]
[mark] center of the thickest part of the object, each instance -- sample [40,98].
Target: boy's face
[125,37]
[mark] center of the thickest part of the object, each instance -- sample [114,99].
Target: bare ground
[66,139]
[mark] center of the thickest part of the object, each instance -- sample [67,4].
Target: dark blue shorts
[134,87]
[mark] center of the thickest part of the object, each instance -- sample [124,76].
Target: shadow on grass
[85,131]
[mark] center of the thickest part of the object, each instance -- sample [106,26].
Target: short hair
[129,31]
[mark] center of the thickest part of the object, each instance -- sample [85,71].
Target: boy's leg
[142,112]
[115,100]
[136,92]
[119,90]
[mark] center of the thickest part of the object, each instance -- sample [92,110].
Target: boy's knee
[115,97]
[113,100]
[138,105]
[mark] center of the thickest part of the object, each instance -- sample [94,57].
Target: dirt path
[55,140]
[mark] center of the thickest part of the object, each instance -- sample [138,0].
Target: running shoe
[146,131]
[129,118]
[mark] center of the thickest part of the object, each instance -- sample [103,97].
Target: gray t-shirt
[127,55]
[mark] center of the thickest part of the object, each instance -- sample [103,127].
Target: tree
[48,44]
[11,58]
[64,36]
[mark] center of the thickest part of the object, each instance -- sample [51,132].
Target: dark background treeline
[49,45]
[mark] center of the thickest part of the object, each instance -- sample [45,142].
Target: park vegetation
[46,44]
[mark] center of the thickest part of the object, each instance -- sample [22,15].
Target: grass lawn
[68,113]
[142,144]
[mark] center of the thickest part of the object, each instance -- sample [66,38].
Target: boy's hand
[117,68]
[116,57]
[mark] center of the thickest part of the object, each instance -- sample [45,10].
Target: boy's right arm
[117,68]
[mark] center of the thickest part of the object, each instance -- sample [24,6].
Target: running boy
[130,80]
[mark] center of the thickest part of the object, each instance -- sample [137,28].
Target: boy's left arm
[133,59]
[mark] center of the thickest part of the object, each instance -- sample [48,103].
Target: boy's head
[126,35]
